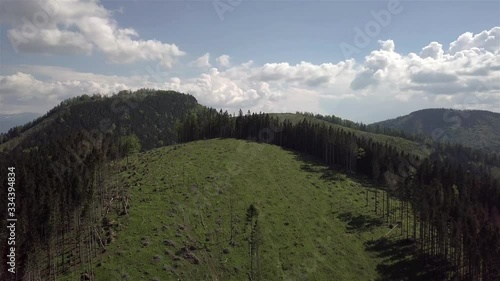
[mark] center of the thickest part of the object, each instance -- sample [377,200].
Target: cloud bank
[75,27]
[464,75]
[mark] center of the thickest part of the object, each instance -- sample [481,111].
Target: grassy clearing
[315,222]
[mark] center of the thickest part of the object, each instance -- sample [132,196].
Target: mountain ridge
[67,170]
[473,128]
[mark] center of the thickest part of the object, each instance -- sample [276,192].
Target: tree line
[448,207]
[371,128]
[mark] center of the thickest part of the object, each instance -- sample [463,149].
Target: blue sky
[294,47]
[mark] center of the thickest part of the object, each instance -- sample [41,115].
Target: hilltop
[474,128]
[149,114]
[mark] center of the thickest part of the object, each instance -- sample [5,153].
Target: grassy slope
[400,143]
[183,194]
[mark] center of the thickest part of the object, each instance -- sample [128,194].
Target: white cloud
[79,27]
[203,61]
[57,41]
[21,92]
[385,84]
[487,40]
[387,45]
[223,61]
[434,50]
[429,77]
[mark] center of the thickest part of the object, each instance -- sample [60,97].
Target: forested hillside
[60,161]
[395,138]
[442,197]
[151,115]
[474,128]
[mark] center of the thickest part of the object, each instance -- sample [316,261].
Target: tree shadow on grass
[359,222]
[327,174]
[312,164]
[402,263]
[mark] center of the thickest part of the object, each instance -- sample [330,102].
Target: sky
[365,61]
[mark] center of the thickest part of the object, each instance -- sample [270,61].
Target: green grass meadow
[186,200]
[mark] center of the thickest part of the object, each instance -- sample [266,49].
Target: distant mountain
[8,121]
[149,114]
[474,128]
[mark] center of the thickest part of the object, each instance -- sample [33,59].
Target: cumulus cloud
[223,60]
[434,50]
[57,41]
[79,27]
[21,92]
[385,83]
[302,73]
[363,80]
[387,45]
[203,61]
[426,77]
[487,40]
